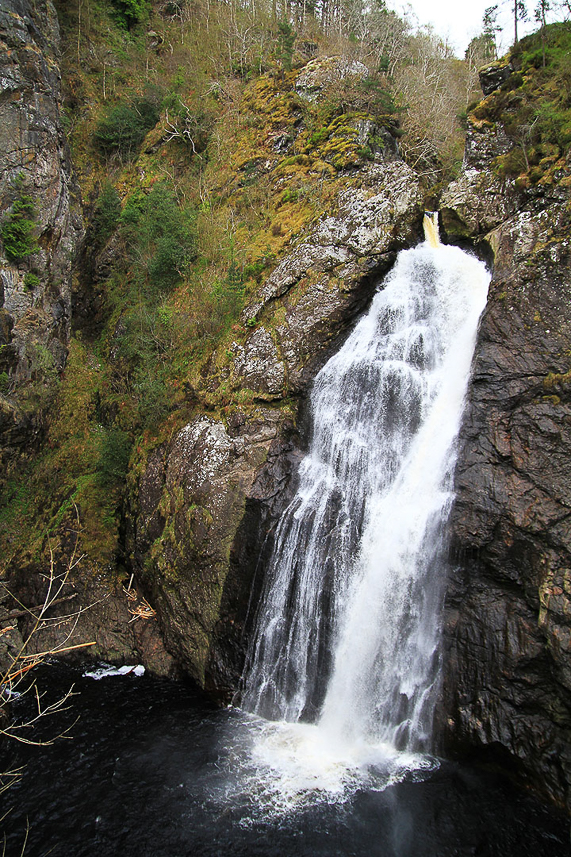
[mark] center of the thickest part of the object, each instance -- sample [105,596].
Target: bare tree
[22,660]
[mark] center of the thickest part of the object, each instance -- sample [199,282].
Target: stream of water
[330,753]
[345,656]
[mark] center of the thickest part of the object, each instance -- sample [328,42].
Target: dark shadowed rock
[507,667]
[36,308]
[492,76]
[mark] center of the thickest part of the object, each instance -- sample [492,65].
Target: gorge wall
[202,499]
[35,292]
[203,506]
[507,680]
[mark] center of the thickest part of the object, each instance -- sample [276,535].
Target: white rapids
[345,655]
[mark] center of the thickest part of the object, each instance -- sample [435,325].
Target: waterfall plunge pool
[347,637]
[154,770]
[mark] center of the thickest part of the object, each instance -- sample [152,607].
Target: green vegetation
[201,166]
[31,281]
[124,127]
[159,238]
[534,107]
[106,213]
[285,42]
[130,12]
[17,229]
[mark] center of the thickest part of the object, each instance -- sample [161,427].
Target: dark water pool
[153,769]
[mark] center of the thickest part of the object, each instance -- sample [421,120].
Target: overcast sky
[460,20]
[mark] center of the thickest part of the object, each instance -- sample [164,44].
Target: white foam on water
[348,629]
[107,670]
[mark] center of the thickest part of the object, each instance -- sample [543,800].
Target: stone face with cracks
[35,312]
[507,630]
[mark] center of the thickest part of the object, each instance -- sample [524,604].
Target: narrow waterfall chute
[347,637]
[430,226]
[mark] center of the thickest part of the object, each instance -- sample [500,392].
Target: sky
[460,21]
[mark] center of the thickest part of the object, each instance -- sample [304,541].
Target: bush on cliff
[106,214]
[17,230]
[160,239]
[130,12]
[123,128]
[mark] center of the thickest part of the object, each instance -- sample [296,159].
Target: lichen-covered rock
[379,213]
[320,283]
[189,504]
[475,204]
[493,75]
[258,364]
[319,74]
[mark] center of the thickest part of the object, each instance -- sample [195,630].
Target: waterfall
[347,634]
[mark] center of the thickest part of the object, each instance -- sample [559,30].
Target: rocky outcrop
[493,75]
[320,74]
[35,290]
[203,506]
[84,616]
[507,687]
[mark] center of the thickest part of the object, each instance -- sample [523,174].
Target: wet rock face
[507,666]
[198,530]
[35,293]
[204,506]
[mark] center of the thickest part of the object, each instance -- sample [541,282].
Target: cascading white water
[348,627]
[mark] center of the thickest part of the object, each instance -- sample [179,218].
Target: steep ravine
[202,503]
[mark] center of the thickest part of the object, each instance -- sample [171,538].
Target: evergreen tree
[286,41]
[489,29]
[17,230]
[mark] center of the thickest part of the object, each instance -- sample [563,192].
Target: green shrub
[256,268]
[154,402]
[114,453]
[554,125]
[107,213]
[229,295]
[377,97]
[319,136]
[161,236]
[286,37]
[17,230]
[123,128]
[290,195]
[31,281]
[130,12]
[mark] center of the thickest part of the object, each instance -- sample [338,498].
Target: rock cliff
[204,504]
[35,280]
[204,494]
[507,679]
